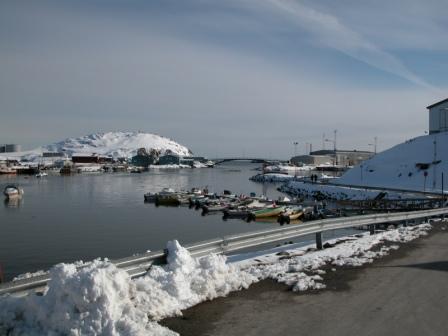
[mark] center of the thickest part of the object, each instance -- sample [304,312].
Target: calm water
[68,218]
[86,216]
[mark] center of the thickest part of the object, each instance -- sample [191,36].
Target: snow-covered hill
[416,164]
[116,144]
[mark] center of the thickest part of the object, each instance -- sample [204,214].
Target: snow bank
[405,166]
[99,299]
[333,192]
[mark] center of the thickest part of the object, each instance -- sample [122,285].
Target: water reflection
[13,202]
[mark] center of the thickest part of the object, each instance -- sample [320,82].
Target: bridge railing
[138,265]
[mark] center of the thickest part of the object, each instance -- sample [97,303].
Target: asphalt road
[405,293]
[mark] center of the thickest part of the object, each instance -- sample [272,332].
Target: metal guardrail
[138,265]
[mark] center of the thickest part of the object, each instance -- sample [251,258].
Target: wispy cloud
[331,32]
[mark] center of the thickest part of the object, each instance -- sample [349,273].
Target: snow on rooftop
[416,164]
[100,299]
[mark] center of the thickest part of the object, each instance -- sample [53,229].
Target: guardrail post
[319,240]
[372,229]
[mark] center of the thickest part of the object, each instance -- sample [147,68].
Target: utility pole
[443,194]
[335,154]
[323,141]
[335,132]
[434,164]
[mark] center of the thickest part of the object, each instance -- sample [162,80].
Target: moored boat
[290,214]
[270,211]
[8,170]
[12,191]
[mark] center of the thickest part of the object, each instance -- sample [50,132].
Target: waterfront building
[169,159]
[345,157]
[90,158]
[10,148]
[311,160]
[438,116]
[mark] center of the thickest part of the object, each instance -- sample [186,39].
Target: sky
[234,77]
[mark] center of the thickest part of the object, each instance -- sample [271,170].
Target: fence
[138,265]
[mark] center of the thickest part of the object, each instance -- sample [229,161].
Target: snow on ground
[333,192]
[168,166]
[288,169]
[100,299]
[115,144]
[302,270]
[271,177]
[276,177]
[404,166]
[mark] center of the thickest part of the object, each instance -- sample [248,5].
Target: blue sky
[222,77]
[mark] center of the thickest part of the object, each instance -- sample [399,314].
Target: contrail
[332,33]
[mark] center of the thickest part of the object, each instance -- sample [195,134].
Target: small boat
[168,197]
[8,170]
[236,213]
[290,214]
[213,208]
[270,211]
[12,191]
[135,170]
[41,174]
[150,197]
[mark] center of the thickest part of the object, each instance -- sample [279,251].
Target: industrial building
[311,160]
[438,116]
[10,148]
[345,157]
[90,158]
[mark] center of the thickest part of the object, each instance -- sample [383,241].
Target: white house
[438,116]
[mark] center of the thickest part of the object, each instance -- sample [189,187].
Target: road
[405,293]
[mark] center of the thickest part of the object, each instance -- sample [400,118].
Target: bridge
[252,159]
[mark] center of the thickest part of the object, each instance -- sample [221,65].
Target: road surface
[405,293]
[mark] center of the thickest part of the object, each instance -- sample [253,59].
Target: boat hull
[268,212]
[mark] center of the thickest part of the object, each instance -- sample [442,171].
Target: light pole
[334,149]
[375,141]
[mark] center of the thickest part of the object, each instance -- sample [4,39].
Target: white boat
[7,170]
[41,174]
[90,169]
[12,191]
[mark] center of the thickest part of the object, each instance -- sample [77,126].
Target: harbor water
[86,216]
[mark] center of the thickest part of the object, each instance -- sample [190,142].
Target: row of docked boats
[233,206]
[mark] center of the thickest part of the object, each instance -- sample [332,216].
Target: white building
[438,116]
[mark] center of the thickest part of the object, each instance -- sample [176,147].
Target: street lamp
[375,141]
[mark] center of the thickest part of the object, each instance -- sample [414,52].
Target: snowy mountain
[115,144]
[416,164]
